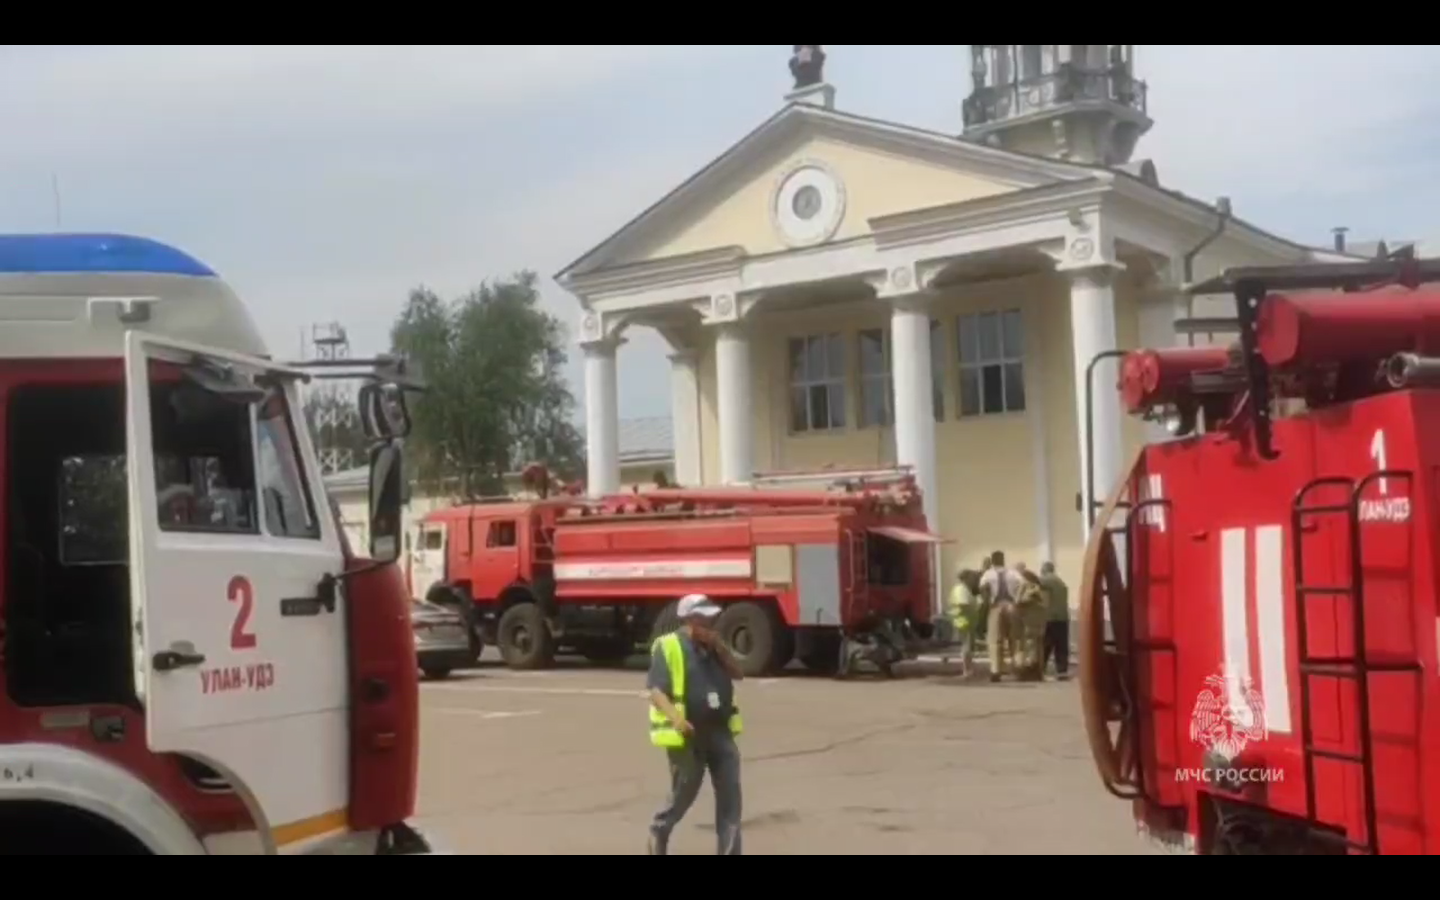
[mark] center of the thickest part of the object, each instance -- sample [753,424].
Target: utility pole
[334,416]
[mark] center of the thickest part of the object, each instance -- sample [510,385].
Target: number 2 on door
[243,595]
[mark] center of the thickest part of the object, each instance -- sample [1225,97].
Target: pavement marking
[571,692]
[484,714]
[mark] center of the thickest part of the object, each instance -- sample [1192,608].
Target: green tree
[496,397]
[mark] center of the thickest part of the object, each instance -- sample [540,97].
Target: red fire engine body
[1266,638]
[823,576]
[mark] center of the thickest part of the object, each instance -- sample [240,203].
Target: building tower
[331,407]
[1076,102]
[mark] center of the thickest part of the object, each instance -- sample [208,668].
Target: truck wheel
[524,638]
[748,630]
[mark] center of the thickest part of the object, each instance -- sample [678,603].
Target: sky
[325,182]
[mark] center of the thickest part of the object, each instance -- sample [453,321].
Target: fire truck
[192,658]
[1258,624]
[834,577]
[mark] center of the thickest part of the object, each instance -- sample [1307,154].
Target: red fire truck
[1258,624]
[192,659]
[830,577]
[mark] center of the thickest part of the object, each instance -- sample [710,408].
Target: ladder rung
[1318,510]
[1349,666]
[1306,590]
[1337,755]
[1330,669]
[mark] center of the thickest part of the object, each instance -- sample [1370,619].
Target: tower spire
[1079,102]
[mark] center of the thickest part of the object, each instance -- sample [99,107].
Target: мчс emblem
[1229,714]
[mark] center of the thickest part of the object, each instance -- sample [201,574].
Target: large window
[817,383]
[877,394]
[992,368]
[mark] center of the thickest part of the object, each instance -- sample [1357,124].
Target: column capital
[727,308]
[1098,274]
[683,356]
[904,281]
[602,346]
[599,332]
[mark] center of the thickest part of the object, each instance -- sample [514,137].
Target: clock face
[808,205]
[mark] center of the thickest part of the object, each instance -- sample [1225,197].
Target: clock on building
[807,204]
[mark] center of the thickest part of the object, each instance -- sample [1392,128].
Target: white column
[685,417]
[736,411]
[602,419]
[914,401]
[1092,328]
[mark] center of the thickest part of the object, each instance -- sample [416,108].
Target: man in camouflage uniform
[1031,612]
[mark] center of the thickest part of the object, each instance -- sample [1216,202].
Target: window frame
[801,379]
[280,391]
[1002,359]
[868,381]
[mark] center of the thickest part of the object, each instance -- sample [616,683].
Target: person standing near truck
[694,718]
[1057,628]
[1000,586]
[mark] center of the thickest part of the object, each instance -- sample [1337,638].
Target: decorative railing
[1067,84]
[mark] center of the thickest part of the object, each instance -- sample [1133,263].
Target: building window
[877,391]
[992,368]
[817,383]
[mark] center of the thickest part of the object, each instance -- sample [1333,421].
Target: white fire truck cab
[192,660]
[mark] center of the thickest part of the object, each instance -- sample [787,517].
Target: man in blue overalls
[693,716]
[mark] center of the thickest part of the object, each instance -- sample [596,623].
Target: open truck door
[239,641]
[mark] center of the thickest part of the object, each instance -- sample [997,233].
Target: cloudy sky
[324,182]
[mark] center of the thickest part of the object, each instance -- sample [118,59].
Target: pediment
[871,168]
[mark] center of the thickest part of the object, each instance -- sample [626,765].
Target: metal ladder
[1356,668]
[1134,514]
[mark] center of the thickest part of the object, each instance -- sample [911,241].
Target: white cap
[697,605]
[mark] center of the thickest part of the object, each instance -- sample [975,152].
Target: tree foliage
[493,363]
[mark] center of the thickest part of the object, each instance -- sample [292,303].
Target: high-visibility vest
[662,733]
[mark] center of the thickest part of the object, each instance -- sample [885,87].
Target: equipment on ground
[832,577]
[1258,623]
[192,658]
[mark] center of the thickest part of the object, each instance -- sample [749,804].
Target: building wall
[1000,474]
[877,183]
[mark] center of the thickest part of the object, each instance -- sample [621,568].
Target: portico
[840,291]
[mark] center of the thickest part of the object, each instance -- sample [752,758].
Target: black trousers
[1057,644]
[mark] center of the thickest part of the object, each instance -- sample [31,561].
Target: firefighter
[694,718]
[964,611]
[1031,611]
[1057,628]
[1000,586]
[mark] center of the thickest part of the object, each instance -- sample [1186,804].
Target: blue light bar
[79,254]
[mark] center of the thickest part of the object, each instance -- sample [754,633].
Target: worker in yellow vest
[694,718]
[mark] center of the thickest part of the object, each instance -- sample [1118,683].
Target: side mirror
[386,483]
[384,413]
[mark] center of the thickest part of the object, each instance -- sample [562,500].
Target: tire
[524,638]
[437,673]
[748,629]
[606,651]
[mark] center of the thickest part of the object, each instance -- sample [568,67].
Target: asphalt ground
[559,762]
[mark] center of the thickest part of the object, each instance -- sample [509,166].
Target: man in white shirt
[1002,586]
